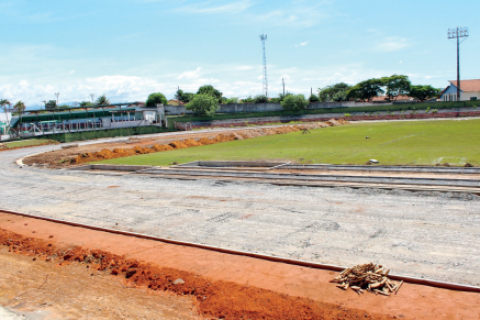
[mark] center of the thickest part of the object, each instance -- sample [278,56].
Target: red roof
[468,85]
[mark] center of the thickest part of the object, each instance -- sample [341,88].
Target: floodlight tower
[457,33]
[263,38]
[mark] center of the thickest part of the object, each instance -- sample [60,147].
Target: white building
[469,90]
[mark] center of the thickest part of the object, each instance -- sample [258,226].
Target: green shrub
[294,102]
[347,115]
[156,98]
[261,99]
[203,104]
[313,98]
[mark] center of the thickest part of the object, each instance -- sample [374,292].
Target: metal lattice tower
[456,34]
[263,38]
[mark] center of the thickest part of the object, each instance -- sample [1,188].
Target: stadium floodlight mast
[263,38]
[456,34]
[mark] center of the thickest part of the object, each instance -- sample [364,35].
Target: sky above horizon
[127,49]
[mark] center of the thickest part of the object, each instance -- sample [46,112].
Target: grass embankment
[392,143]
[28,143]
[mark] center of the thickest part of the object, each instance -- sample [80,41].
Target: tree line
[392,87]
[207,99]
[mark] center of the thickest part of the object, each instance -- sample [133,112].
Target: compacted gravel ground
[431,235]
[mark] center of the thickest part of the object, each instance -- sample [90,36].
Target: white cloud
[217,7]
[116,88]
[301,44]
[392,44]
[190,74]
[245,68]
[298,15]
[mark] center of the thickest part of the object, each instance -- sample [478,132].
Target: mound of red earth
[216,299]
[188,143]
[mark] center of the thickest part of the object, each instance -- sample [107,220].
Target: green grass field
[27,143]
[392,143]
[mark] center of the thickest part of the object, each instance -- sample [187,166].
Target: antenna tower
[57,94]
[457,33]
[263,38]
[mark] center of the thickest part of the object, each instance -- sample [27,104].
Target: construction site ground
[40,281]
[423,234]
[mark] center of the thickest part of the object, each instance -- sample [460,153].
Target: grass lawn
[392,143]
[27,143]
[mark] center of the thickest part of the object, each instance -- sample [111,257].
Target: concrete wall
[268,107]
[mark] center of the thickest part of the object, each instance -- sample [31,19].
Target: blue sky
[130,48]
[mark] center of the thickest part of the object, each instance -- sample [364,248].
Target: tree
[85,104]
[211,91]
[261,99]
[249,99]
[50,105]
[234,100]
[282,96]
[103,101]
[313,98]
[337,92]
[4,103]
[184,96]
[156,98]
[423,92]
[294,102]
[396,85]
[203,104]
[366,90]
[19,107]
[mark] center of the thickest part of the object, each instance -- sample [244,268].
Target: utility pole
[263,38]
[57,94]
[456,34]
[92,96]
[283,82]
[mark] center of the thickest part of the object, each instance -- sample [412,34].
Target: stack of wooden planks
[370,277]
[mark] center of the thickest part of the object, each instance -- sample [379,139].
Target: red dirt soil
[227,286]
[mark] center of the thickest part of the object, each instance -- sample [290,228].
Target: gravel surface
[431,235]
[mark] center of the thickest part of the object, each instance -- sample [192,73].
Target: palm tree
[103,101]
[19,106]
[4,103]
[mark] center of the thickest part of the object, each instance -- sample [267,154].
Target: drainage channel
[301,263]
[470,183]
[285,178]
[444,170]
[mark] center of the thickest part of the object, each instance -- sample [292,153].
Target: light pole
[456,34]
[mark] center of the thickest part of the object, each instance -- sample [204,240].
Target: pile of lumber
[368,277]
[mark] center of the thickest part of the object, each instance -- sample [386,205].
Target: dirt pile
[188,143]
[217,299]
